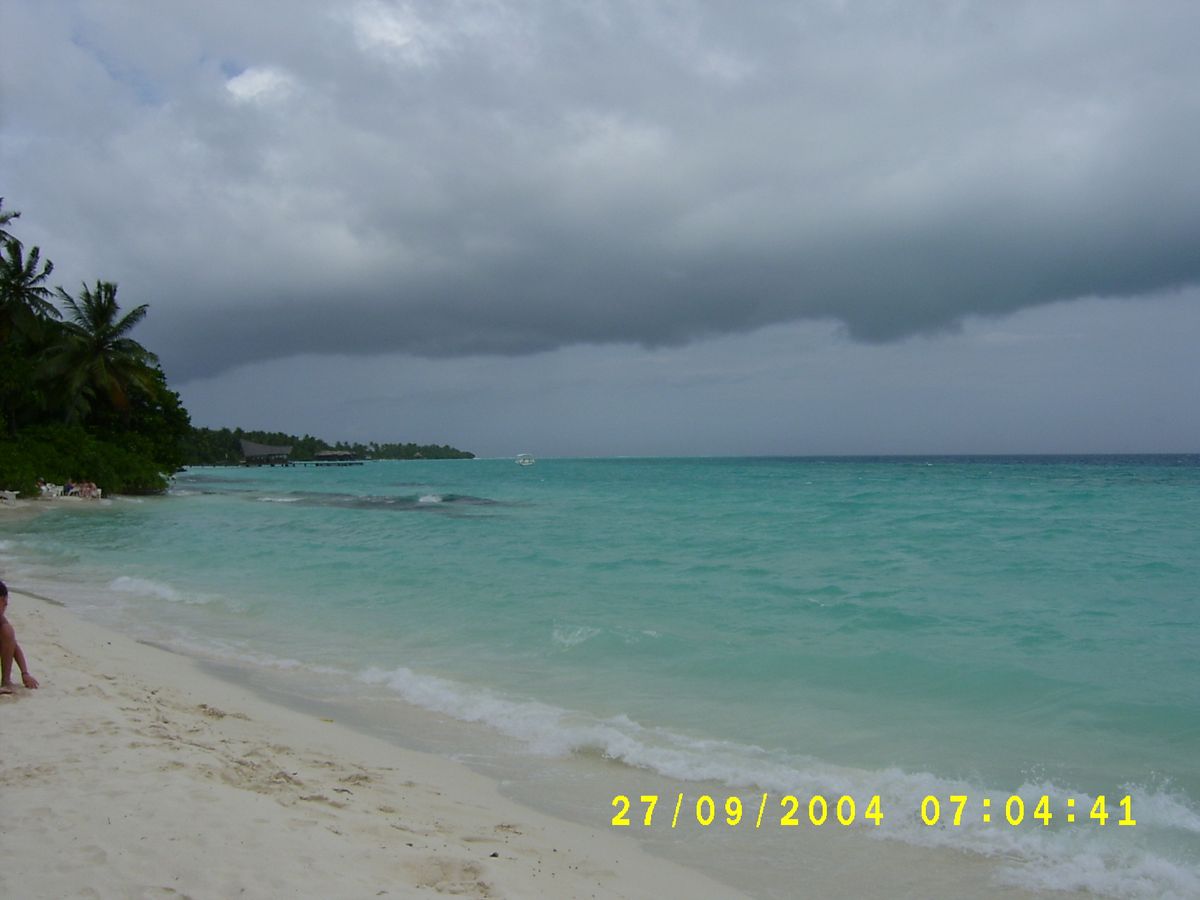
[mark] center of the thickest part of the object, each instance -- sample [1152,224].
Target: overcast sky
[577,227]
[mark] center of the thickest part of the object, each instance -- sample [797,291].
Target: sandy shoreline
[137,771]
[132,772]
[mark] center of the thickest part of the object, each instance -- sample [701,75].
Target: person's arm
[19,657]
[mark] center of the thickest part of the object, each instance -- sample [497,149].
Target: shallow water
[984,627]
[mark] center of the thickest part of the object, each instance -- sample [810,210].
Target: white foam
[279,499]
[144,587]
[429,498]
[238,653]
[1110,862]
[567,636]
[1163,807]
[147,588]
[1129,875]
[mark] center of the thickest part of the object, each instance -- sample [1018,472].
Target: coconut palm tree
[24,297]
[25,308]
[96,359]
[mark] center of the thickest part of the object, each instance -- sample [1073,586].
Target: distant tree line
[220,447]
[79,398]
[82,400]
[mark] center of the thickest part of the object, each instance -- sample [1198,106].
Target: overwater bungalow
[264,454]
[334,456]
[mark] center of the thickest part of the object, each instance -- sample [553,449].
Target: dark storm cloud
[455,178]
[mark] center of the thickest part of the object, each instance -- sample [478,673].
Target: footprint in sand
[449,876]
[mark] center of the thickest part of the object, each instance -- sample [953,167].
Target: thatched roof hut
[264,454]
[334,455]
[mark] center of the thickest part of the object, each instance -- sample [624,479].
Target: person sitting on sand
[10,650]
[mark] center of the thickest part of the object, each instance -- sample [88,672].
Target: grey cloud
[459,178]
[1096,375]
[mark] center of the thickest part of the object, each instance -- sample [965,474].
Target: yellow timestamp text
[792,811]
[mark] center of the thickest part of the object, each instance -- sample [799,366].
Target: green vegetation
[79,398]
[210,447]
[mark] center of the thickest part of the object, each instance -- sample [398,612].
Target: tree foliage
[24,296]
[95,359]
[61,453]
[79,398]
[219,447]
[6,219]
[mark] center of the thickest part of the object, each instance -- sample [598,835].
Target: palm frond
[95,352]
[5,218]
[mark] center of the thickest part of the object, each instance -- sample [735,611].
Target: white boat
[524,459]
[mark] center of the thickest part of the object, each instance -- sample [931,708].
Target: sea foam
[1032,856]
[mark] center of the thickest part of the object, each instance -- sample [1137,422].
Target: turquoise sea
[904,627]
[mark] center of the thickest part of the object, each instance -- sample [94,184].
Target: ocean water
[900,627]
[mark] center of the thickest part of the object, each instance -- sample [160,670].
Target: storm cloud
[461,178]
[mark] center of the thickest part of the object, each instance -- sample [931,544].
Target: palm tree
[96,358]
[25,308]
[5,218]
[24,297]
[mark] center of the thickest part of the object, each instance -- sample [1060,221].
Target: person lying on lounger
[10,650]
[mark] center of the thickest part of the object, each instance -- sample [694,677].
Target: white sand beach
[135,771]
[132,773]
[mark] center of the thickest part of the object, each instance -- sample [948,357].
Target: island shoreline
[132,769]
